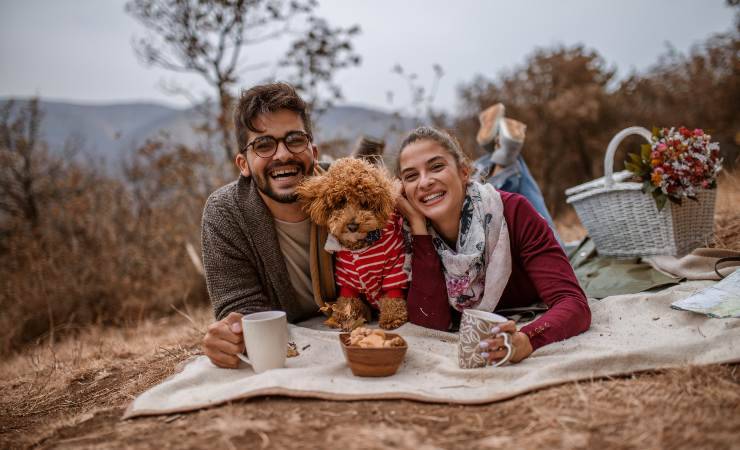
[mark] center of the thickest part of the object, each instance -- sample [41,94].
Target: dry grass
[727,215]
[50,386]
[73,395]
[104,251]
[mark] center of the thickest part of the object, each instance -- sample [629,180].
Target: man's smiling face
[278,176]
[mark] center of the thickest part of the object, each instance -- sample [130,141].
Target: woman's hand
[493,348]
[417,221]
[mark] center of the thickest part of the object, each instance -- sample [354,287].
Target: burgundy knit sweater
[540,272]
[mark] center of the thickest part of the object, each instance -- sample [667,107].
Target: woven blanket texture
[629,333]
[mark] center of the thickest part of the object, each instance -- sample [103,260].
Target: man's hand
[224,340]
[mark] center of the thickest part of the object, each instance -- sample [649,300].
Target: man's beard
[263,180]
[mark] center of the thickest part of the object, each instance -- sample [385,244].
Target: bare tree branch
[206,37]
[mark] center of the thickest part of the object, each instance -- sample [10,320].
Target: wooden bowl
[373,362]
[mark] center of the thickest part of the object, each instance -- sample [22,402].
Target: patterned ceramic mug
[476,326]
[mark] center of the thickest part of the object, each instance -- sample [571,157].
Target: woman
[495,250]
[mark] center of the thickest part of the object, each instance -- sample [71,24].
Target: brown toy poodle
[354,200]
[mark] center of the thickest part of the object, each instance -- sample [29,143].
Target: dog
[354,199]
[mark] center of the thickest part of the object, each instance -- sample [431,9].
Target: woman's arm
[427,297]
[545,264]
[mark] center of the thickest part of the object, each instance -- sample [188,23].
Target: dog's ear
[389,200]
[311,194]
[383,194]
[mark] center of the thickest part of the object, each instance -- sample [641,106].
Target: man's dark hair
[266,98]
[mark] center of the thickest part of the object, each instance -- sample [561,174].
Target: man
[260,250]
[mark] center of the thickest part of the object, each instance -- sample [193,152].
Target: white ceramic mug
[476,326]
[266,339]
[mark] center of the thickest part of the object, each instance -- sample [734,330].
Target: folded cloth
[602,276]
[697,265]
[629,333]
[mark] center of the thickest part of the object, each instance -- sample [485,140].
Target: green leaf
[692,197]
[676,200]
[645,150]
[648,187]
[632,167]
[635,158]
[660,201]
[656,131]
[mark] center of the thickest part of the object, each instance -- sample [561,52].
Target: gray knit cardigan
[245,270]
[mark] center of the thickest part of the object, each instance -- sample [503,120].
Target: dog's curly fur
[352,199]
[351,191]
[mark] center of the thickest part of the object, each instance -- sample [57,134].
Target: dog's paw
[331,322]
[350,313]
[350,325]
[393,313]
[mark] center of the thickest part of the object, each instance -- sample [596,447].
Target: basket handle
[612,149]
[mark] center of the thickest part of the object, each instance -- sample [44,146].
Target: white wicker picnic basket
[624,222]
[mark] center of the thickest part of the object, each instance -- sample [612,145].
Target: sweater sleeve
[427,298]
[552,275]
[233,282]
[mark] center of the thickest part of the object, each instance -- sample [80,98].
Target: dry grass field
[71,393]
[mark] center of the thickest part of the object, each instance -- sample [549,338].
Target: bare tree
[418,110]
[315,57]
[208,38]
[562,96]
[19,151]
[421,100]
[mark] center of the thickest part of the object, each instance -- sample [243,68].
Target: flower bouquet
[639,211]
[676,164]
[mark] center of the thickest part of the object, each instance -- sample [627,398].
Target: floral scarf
[477,272]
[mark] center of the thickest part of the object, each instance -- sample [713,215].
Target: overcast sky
[80,50]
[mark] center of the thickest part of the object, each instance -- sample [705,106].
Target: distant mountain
[108,131]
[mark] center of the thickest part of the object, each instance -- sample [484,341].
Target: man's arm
[233,282]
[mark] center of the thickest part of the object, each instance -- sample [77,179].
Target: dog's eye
[364,205]
[341,203]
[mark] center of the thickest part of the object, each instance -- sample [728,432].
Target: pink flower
[457,286]
[698,132]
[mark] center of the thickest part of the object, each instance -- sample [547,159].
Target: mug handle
[509,350]
[244,358]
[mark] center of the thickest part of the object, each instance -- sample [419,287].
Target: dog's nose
[352,227]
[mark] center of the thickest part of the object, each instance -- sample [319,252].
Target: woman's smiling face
[432,180]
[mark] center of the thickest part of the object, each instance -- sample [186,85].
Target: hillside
[108,131]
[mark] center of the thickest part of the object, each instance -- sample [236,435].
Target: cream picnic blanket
[629,333]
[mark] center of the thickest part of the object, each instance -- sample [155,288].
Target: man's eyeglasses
[266,146]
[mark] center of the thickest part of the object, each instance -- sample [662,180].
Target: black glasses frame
[277,143]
